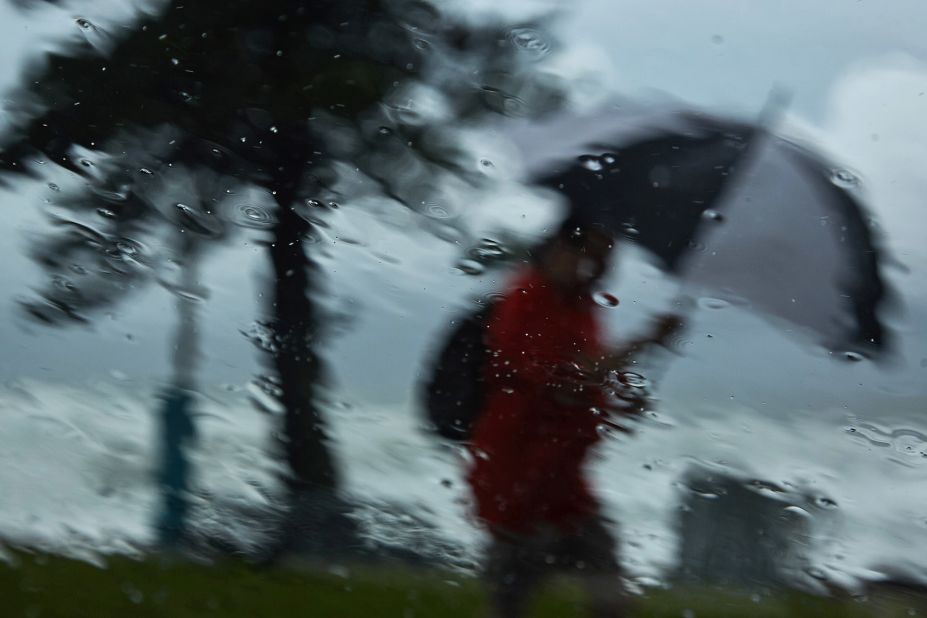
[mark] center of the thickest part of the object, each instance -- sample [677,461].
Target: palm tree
[235,89]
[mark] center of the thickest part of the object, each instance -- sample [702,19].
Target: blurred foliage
[239,94]
[54,586]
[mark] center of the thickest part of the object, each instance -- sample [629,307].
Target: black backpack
[453,395]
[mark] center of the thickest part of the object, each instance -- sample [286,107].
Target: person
[543,410]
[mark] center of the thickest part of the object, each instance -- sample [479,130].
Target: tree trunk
[298,366]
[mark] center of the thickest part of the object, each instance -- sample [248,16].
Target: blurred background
[234,234]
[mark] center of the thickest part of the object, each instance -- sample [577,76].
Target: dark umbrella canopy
[751,217]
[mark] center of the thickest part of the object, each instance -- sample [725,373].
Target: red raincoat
[531,439]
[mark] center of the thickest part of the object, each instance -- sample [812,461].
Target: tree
[251,92]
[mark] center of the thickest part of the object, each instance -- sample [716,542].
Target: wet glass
[423,305]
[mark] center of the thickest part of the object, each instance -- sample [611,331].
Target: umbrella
[727,206]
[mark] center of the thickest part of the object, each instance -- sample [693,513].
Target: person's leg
[604,595]
[512,576]
[592,554]
[511,597]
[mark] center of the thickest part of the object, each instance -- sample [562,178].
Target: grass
[51,586]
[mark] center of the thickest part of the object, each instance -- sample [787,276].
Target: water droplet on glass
[844,178]
[531,41]
[713,215]
[254,217]
[513,106]
[696,246]
[604,299]
[84,23]
[591,163]
[129,250]
[437,211]
[470,267]
[713,303]
[635,380]
[262,336]
[63,283]
[265,395]
[798,512]
[113,196]
[54,187]
[106,213]
[853,357]
[488,249]
[134,595]
[196,221]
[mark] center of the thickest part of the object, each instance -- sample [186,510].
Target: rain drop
[470,267]
[604,299]
[531,41]
[437,211]
[64,284]
[488,249]
[798,512]
[513,106]
[844,178]
[197,222]
[634,380]
[713,303]
[254,217]
[713,215]
[591,163]
[129,248]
